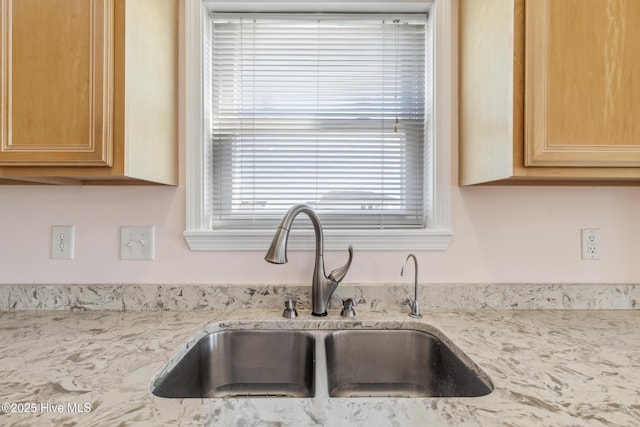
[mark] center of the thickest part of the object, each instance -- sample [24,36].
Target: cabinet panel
[562,107]
[582,85]
[57,82]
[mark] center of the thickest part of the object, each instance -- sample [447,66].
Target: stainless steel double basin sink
[308,363]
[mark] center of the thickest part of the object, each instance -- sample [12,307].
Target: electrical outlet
[590,242]
[137,243]
[62,241]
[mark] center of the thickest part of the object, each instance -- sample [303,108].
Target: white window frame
[436,236]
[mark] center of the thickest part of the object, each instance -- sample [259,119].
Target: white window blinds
[327,110]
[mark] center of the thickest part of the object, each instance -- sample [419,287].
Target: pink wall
[501,234]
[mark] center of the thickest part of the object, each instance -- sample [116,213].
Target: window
[333,110]
[327,110]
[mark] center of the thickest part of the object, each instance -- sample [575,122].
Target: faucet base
[319,314]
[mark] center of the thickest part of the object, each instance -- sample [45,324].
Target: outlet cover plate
[63,241]
[590,243]
[137,243]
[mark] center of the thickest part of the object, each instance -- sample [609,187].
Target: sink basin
[325,363]
[398,363]
[244,363]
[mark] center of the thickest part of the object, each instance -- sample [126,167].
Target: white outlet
[590,242]
[137,243]
[62,241]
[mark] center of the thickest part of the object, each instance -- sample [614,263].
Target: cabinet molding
[57,82]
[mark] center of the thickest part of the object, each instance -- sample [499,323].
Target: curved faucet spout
[322,287]
[277,253]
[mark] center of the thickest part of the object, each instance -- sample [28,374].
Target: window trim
[437,236]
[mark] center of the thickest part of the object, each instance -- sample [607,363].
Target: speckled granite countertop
[549,368]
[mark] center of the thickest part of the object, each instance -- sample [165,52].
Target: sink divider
[321,380]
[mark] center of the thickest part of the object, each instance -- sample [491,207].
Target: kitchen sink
[235,363]
[398,363]
[355,362]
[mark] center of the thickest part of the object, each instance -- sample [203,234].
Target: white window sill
[427,239]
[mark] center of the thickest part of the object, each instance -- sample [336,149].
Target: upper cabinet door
[57,82]
[582,83]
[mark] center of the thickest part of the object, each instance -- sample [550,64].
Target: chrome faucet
[322,286]
[415,305]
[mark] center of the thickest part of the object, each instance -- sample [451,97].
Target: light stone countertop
[549,368]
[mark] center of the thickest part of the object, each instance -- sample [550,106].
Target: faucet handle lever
[338,274]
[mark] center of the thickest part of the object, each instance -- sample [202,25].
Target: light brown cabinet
[89,91]
[549,90]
